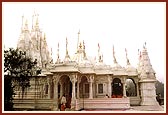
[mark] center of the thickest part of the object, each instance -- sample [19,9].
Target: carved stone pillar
[91,78]
[49,87]
[109,85]
[78,90]
[137,89]
[124,89]
[61,89]
[73,79]
[55,101]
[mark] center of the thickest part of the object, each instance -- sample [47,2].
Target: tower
[147,80]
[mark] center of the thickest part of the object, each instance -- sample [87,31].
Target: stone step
[105,103]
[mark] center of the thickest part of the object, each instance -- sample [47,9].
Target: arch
[131,87]
[84,87]
[117,88]
[65,88]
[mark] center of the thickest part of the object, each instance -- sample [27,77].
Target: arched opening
[117,88]
[131,88]
[84,88]
[65,88]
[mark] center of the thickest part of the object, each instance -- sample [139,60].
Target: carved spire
[128,63]
[115,61]
[26,25]
[144,46]
[32,21]
[78,40]
[44,36]
[67,55]
[36,23]
[51,56]
[22,28]
[84,53]
[58,60]
[146,67]
[100,56]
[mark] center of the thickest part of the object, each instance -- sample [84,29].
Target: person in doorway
[63,102]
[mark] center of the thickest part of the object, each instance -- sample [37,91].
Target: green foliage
[159,88]
[18,69]
[8,92]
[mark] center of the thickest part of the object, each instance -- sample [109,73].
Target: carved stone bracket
[91,78]
[109,78]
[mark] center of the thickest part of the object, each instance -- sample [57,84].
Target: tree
[159,88]
[18,69]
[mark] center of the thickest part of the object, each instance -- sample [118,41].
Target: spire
[44,36]
[22,28]
[115,61]
[32,21]
[128,63]
[98,48]
[67,55]
[84,53]
[100,56]
[147,70]
[51,56]
[26,25]
[144,46]
[58,60]
[98,52]
[78,39]
[36,23]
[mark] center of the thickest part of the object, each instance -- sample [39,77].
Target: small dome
[130,68]
[116,66]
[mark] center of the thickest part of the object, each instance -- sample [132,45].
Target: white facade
[80,78]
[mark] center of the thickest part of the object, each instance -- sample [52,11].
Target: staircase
[33,105]
[105,103]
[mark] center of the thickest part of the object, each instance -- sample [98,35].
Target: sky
[124,25]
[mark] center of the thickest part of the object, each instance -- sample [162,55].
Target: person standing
[63,102]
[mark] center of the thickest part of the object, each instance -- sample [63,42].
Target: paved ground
[147,108]
[133,108]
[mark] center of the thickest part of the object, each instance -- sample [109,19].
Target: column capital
[109,78]
[49,80]
[73,78]
[56,78]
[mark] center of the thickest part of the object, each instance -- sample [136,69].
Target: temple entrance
[117,88]
[65,88]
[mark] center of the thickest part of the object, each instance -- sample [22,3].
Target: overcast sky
[124,25]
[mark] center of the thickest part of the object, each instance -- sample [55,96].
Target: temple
[84,82]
